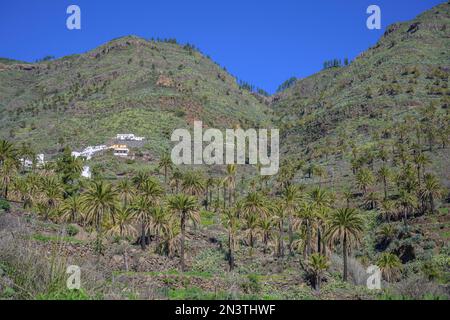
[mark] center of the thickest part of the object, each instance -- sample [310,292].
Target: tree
[123,225]
[230,221]
[71,209]
[8,171]
[185,207]
[390,266]
[364,179]
[431,190]
[278,217]
[51,193]
[384,175]
[292,199]
[7,151]
[407,202]
[265,229]
[317,265]
[230,182]
[193,183]
[345,226]
[306,216]
[165,164]
[99,202]
[125,191]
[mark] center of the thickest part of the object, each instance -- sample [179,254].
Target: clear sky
[259,41]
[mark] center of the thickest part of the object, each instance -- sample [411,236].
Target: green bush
[72,230]
[251,284]
[4,205]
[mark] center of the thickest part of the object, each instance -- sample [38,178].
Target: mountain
[385,88]
[126,85]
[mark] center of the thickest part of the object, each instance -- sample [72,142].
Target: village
[120,146]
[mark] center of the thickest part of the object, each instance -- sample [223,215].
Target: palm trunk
[290,233]
[230,251]
[143,244]
[385,188]
[280,240]
[183,231]
[319,241]
[432,203]
[344,249]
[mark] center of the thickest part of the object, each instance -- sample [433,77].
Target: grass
[47,239]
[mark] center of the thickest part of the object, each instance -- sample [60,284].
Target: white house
[89,151]
[28,164]
[128,137]
[120,150]
[86,173]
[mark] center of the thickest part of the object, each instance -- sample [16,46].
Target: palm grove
[275,216]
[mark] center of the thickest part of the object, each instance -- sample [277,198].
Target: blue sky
[262,42]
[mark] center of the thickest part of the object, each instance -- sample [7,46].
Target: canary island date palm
[126,191]
[8,171]
[165,164]
[384,175]
[292,197]
[185,208]
[364,179]
[317,264]
[390,266]
[431,190]
[123,225]
[7,151]
[346,227]
[230,221]
[193,183]
[99,202]
[321,201]
[71,209]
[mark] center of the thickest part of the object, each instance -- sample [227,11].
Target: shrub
[251,284]
[71,230]
[4,205]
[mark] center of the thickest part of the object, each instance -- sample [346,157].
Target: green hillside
[127,85]
[386,89]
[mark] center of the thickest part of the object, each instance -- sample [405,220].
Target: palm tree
[230,182]
[431,190]
[407,202]
[143,209]
[99,202]
[279,215]
[159,221]
[321,201]
[265,229]
[71,209]
[390,266]
[255,204]
[420,160]
[387,208]
[306,216]
[371,200]
[230,221]
[140,178]
[364,179]
[186,208]
[345,226]
[165,163]
[209,185]
[51,193]
[384,175]
[175,180]
[292,197]
[317,265]
[123,226]
[151,191]
[171,239]
[8,171]
[193,183]
[126,191]
[7,151]
[250,226]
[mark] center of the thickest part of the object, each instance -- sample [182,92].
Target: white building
[120,150]
[128,137]
[28,164]
[89,152]
[86,173]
